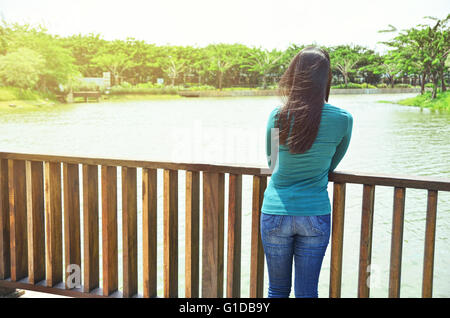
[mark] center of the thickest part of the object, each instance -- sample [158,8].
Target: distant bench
[69,97]
[95,94]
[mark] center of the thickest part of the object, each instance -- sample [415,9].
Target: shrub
[15,93]
[403,85]
[353,85]
[7,93]
[240,88]
[198,87]
[83,86]
[125,85]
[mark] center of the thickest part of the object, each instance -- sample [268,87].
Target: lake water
[387,138]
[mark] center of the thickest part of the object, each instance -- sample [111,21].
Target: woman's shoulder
[276,109]
[274,112]
[336,111]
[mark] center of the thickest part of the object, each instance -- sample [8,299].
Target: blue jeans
[302,239]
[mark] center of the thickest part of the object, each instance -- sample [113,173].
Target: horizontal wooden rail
[137,163]
[414,182]
[427,183]
[27,181]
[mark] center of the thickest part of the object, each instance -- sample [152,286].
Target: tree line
[31,58]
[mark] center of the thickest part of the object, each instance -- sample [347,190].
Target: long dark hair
[304,87]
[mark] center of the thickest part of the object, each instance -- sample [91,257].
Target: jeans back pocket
[271,223]
[320,224]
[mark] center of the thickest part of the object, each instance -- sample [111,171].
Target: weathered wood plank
[129,231]
[109,230]
[400,181]
[257,251]
[72,236]
[58,289]
[35,221]
[5,259]
[149,227]
[18,219]
[90,228]
[396,242]
[192,234]
[365,250]
[234,236]
[170,233]
[430,235]
[213,234]
[135,163]
[337,239]
[53,221]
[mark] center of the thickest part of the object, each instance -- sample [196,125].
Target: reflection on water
[387,138]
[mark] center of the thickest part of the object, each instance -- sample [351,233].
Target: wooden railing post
[149,226]
[53,220]
[109,230]
[396,242]
[90,228]
[257,251]
[234,236]
[192,233]
[365,251]
[213,234]
[72,236]
[5,260]
[18,219]
[337,239]
[129,231]
[170,233]
[35,222]
[430,235]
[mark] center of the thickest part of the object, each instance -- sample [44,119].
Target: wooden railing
[32,189]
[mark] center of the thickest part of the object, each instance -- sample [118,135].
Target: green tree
[262,62]
[368,66]
[426,48]
[222,57]
[84,48]
[199,64]
[21,68]
[173,62]
[389,67]
[59,64]
[114,58]
[142,56]
[344,59]
[438,49]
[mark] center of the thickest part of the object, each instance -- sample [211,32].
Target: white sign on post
[107,79]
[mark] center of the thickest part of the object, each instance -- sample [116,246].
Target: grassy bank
[441,102]
[16,98]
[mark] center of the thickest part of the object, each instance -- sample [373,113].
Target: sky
[261,23]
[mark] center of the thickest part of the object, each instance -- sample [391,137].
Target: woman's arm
[269,139]
[341,149]
[272,139]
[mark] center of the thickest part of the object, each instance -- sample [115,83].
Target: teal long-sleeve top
[298,185]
